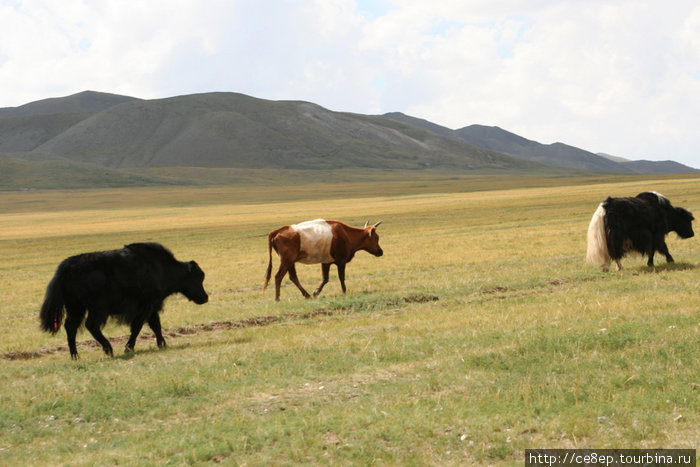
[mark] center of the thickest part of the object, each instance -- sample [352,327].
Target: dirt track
[224,325]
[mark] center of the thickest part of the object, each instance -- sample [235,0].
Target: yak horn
[377,224]
[366,224]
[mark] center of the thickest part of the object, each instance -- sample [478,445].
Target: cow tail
[597,245]
[270,242]
[52,310]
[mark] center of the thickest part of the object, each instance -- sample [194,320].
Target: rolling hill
[74,138]
[557,154]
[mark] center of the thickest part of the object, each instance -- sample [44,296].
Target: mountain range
[112,139]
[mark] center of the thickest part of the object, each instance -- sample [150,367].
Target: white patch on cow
[316,237]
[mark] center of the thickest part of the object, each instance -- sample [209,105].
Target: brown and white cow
[318,241]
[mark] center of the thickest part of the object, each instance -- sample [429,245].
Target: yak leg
[325,270]
[154,324]
[341,275]
[74,316]
[619,264]
[295,279]
[663,249]
[651,252]
[93,325]
[135,330]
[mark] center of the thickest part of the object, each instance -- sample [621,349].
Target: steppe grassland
[479,334]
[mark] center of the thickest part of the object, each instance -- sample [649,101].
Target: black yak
[639,224]
[129,284]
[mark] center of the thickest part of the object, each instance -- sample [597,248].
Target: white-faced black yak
[129,284]
[639,224]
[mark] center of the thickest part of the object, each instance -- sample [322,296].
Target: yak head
[681,221]
[193,284]
[370,242]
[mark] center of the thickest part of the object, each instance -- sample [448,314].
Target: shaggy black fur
[129,284]
[641,224]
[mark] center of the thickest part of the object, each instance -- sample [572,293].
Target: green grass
[479,334]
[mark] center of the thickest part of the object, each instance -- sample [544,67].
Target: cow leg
[74,316]
[135,330]
[341,275]
[325,270]
[281,272]
[154,324]
[93,325]
[295,279]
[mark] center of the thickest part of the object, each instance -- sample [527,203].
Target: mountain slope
[234,130]
[557,154]
[82,102]
[658,167]
[25,133]
[16,173]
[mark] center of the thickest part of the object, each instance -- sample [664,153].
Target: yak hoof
[74,356]
[128,348]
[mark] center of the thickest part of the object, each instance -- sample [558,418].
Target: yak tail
[270,241]
[52,311]
[597,246]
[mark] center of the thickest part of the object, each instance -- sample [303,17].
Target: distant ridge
[659,167]
[557,154]
[228,130]
[82,102]
[66,141]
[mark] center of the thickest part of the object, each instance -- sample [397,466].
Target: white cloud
[621,77]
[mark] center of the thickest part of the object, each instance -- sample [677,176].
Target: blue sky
[614,76]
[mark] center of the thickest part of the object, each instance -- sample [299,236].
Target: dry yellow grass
[479,334]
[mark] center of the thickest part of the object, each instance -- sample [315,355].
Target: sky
[618,77]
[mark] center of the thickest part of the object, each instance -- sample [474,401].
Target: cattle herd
[130,284]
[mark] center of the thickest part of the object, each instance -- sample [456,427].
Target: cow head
[371,241]
[681,221]
[193,287]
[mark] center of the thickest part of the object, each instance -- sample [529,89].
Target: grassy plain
[479,334]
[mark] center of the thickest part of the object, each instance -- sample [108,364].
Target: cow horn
[366,224]
[377,224]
